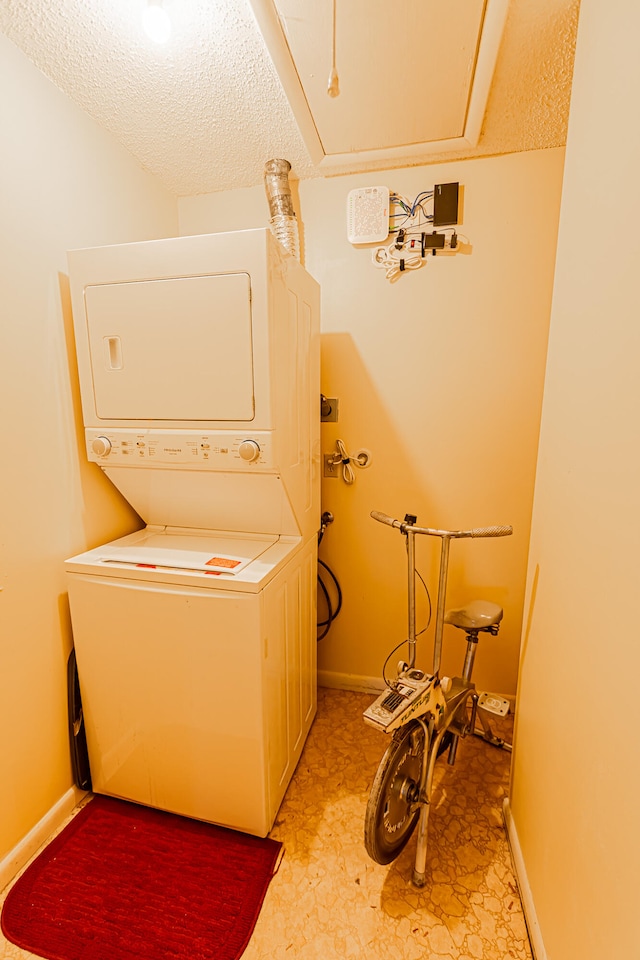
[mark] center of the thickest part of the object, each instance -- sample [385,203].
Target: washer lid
[186,552]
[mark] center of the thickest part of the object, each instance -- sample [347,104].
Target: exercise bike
[426,714]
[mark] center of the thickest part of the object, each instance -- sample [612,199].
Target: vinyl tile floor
[329,900]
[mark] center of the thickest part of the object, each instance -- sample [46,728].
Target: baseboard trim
[528,906]
[350,681]
[359,684]
[17,858]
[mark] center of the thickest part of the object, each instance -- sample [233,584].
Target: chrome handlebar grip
[383,518]
[498,531]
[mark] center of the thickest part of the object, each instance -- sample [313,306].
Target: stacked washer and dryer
[195,637]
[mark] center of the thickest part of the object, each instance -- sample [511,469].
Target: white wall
[576,779]
[63,183]
[440,376]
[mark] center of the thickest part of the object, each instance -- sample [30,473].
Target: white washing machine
[195,636]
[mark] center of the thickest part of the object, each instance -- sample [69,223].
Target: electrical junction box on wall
[368,215]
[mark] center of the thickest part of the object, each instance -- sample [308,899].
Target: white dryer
[195,636]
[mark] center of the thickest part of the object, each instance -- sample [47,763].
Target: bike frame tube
[469,659]
[442,590]
[420,861]
[411,591]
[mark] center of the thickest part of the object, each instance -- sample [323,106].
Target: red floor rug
[124,882]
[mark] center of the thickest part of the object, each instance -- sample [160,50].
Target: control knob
[101,446]
[249,450]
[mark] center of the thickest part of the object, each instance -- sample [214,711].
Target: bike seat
[477,615]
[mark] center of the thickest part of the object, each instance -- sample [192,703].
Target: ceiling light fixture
[333,85]
[156,22]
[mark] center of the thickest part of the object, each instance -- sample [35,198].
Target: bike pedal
[493,704]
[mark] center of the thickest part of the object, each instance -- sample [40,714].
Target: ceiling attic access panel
[414,74]
[175,349]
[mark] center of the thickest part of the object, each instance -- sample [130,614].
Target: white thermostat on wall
[368,215]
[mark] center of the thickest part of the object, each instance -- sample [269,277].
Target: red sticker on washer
[223,562]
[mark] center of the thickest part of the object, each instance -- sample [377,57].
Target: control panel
[186,449]
[413,694]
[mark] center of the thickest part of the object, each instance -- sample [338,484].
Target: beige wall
[576,781]
[440,376]
[63,183]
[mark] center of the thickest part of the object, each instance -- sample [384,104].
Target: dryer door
[175,349]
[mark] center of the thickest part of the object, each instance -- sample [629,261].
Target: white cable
[394,261]
[342,457]
[333,83]
[392,265]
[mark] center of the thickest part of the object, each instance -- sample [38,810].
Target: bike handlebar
[500,530]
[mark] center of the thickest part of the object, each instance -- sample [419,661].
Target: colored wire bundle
[410,211]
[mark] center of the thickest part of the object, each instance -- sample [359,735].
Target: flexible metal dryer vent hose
[283,222]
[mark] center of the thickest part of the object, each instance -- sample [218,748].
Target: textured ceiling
[205,111]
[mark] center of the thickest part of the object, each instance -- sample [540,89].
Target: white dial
[249,450]
[101,446]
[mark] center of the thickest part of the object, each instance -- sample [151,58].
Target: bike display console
[413,694]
